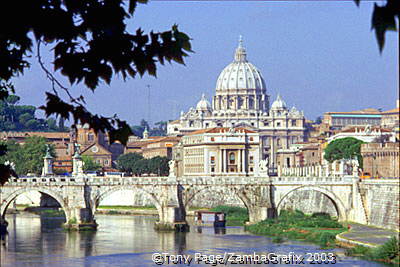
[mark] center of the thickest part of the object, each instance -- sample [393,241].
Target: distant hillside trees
[14,117]
[136,164]
[160,128]
[28,158]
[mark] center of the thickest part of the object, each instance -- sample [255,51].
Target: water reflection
[129,241]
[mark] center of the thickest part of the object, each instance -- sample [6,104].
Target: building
[300,155]
[391,120]
[152,146]
[219,151]
[367,134]
[339,120]
[241,100]
[381,159]
[97,146]
[161,147]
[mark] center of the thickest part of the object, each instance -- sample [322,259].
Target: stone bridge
[79,197]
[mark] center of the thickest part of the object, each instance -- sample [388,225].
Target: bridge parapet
[224,180]
[201,180]
[313,179]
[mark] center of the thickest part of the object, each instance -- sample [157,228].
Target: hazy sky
[320,56]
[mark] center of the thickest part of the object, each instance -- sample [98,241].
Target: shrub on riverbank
[388,252]
[235,216]
[46,212]
[316,228]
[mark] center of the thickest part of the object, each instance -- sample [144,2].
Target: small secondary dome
[278,103]
[203,104]
[240,74]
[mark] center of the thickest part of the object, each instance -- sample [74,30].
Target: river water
[126,240]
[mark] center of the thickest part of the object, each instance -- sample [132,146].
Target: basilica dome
[278,103]
[203,104]
[240,74]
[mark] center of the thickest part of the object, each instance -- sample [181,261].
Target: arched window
[231,158]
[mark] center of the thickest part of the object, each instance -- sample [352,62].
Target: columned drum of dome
[240,86]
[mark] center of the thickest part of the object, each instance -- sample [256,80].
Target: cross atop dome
[240,41]
[240,53]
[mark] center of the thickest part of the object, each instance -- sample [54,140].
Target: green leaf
[383,19]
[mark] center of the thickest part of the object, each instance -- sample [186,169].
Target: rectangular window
[212,169]
[212,139]
[278,124]
[251,160]
[212,160]
[251,169]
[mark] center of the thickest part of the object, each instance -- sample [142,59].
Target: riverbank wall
[382,200]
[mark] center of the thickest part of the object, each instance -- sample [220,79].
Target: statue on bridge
[355,165]
[77,162]
[172,168]
[263,168]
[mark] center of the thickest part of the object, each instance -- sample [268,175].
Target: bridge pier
[80,219]
[258,202]
[257,214]
[171,211]
[3,226]
[171,219]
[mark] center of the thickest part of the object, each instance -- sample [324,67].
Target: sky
[320,56]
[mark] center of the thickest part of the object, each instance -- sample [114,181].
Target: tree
[127,162]
[137,130]
[85,49]
[141,167]
[159,165]
[33,151]
[344,148]
[89,165]
[28,158]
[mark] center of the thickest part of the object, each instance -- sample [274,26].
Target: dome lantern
[240,53]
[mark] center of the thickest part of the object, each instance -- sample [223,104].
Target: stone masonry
[351,199]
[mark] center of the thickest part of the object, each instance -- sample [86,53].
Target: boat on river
[210,218]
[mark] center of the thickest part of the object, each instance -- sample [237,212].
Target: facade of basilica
[241,100]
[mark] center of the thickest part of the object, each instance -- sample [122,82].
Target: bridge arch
[58,197]
[339,206]
[103,195]
[191,193]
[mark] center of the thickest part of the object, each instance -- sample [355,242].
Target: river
[126,240]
